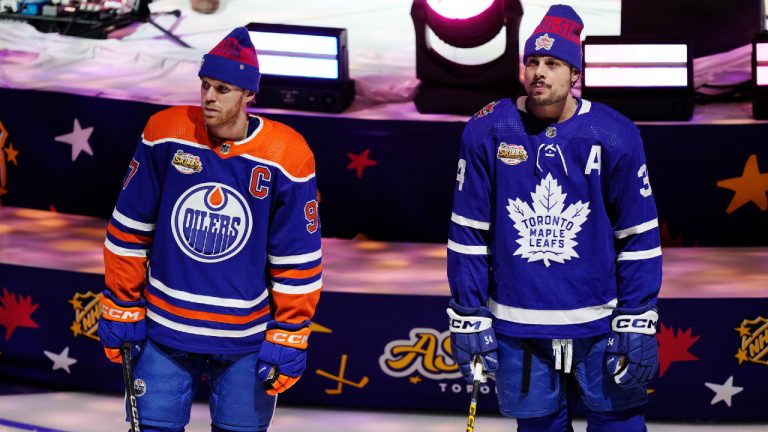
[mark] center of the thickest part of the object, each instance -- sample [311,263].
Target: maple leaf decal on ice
[674,347]
[548,229]
[16,313]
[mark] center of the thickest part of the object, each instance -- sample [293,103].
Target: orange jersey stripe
[124,275]
[285,147]
[205,316]
[180,122]
[295,308]
[296,274]
[126,237]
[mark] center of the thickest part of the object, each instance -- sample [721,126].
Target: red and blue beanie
[233,61]
[558,35]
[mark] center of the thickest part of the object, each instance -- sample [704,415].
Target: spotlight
[643,79]
[302,67]
[462,87]
[760,76]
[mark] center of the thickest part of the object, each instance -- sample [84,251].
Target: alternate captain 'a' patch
[511,154]
[547,230]
[486,110]
[186,163]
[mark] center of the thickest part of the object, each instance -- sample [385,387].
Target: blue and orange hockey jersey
[553,225]
[217,239]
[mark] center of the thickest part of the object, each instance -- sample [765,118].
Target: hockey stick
[478,375]
[125,351]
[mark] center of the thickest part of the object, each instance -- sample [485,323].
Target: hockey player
[212,255]
[554,258]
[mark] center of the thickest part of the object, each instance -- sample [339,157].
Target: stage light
[447,29]
[643,79]
[760,76]
[302,67]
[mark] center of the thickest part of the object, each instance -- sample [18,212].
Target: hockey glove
[283,356]
[633,352]
[472,335]
[121,322]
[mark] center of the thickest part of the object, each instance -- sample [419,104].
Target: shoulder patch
[486,110]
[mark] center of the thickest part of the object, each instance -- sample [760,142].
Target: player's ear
[575,75]
[250,96]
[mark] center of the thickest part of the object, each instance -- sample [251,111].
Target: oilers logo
[211,222]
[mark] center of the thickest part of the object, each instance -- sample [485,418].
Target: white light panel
[636,65]
[299,55]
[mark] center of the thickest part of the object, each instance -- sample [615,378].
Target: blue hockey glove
[472,335]
[633,352]
[121,322]
[283,356]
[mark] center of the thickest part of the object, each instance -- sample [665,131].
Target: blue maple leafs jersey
[553,225]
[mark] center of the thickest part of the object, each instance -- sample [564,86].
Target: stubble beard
[551,99]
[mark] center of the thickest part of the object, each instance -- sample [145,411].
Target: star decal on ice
[548,230]
[360,162]
[62,360]
[750,187]
[78,139]
[724,392]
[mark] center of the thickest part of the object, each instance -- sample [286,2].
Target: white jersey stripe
[131,223]
[280,167]
[640,255]
[202,331]
[207,300]
[297,289]
[468,250]
[637,229]
[121,251]
[296,259]
[551,317]
[461,220]
[174,140]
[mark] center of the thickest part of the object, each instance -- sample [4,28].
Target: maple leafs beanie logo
[548,229]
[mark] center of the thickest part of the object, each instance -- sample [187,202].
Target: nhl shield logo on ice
[548,229]
[211,222]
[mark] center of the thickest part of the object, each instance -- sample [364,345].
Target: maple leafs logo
[547,232]
[16,313]
[674,347]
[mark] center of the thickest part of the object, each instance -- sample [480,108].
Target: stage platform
[381,316]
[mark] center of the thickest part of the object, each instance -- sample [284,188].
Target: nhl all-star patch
[186,163]
[486,110]
[548,229]
[544,42]
[511,154]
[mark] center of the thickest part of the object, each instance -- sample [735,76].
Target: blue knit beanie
[558,35]
[233,61]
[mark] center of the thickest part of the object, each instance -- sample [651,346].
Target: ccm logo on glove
[113,312]
[465,324]
[297,339]
[645,323]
